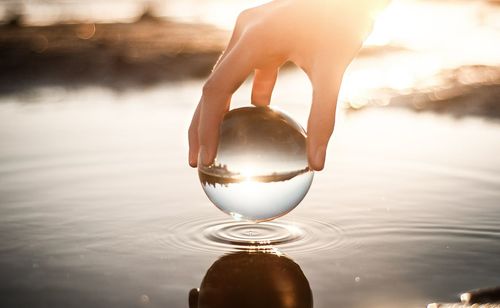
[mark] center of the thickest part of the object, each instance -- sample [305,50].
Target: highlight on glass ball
[261,171]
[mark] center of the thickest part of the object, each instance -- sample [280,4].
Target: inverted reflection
[253,279]
[261,170]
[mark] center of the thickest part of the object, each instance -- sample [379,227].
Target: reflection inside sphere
[253,279]
[261,170]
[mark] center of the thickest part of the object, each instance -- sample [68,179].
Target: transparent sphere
[261,170]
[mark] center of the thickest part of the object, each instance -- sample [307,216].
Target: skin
[319,36]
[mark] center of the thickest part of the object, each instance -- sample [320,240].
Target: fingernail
[192,158]
[319,157]
[204,156]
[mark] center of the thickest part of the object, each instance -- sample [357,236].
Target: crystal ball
[260,171]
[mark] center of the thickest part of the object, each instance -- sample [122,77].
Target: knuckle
[245,15]
[192,131]
[250,21]
[210,88]
[254,33]
[328,130]
[202,133]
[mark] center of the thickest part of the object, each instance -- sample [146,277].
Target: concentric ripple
[243,234]
[216,235]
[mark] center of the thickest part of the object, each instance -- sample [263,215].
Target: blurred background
[98,207]
[430,51]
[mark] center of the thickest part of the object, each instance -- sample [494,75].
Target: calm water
[98,207]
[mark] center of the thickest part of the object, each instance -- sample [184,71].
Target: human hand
[321,37]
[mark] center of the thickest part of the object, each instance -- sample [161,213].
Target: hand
[321,37]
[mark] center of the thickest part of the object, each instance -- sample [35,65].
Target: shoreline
[153,50]
[116,55]
[469,90]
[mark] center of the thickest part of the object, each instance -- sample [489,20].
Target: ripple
[418,229]
[216,235]
[243,234]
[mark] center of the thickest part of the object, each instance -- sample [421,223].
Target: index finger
[222,83]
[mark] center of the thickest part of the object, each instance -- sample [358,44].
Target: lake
[98,207]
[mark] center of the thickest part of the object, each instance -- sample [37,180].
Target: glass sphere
[261,170]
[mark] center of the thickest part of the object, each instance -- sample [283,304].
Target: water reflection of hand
[251,280]
[321,37]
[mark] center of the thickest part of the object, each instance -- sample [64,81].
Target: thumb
[326,86]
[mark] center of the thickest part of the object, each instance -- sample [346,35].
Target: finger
[217,92]
[193,137]
[263,85]
[193,129]
[326,86]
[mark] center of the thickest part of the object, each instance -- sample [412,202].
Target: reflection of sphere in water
[261,170]
[253,279]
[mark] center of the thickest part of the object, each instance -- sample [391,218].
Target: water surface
[98,207]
